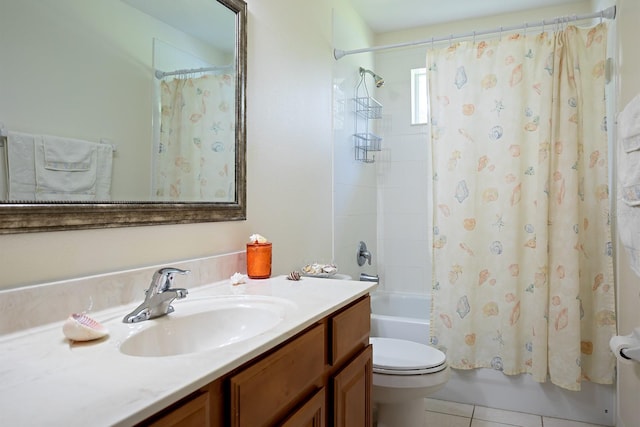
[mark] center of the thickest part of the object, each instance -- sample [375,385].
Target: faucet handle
[163,278]
[169,270]
[363,254]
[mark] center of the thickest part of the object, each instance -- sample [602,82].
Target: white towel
[21,160]
[65,169]
[72,170]
[628,224]
[629,125]
[629,156]
[628,171]
[58,169]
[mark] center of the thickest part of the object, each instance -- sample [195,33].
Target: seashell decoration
[330,269]
[80,327]
[489,81]
[294,275]
[257,238]
[462,192]
[496,247]
[238,279]
[461,77]
[463,307]
[469,224]
[319,270]
[496,133]
[496,363]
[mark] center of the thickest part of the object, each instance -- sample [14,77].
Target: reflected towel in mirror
[56,168]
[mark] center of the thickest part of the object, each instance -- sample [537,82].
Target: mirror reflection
[108,101]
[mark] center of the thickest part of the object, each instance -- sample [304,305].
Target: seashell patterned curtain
[523,271]
[195,160]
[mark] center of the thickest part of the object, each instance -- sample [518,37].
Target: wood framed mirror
[39,99]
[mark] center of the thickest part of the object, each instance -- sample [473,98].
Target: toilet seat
[402,357]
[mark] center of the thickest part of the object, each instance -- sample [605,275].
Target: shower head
[379,81]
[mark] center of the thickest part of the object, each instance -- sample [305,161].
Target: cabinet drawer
[350,329]
[266,391]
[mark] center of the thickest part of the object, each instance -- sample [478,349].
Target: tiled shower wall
[404,179]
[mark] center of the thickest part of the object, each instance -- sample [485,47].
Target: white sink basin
[204,324]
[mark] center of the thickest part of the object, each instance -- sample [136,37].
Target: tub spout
[364,277]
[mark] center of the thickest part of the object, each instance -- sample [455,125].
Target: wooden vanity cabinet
[320,377]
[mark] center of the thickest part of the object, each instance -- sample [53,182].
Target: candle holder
[259,260]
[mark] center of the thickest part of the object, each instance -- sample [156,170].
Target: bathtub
[406,316]
[400,315]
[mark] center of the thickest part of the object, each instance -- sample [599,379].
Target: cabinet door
[268,390]
[352,392]
[194,413]
[311,414]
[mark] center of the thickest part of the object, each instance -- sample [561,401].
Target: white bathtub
[406,316]
[400,315]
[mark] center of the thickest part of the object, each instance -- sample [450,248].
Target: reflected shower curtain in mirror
[523,273]
[196,155]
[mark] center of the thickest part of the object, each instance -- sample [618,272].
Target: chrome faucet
[159,296]
[364,277]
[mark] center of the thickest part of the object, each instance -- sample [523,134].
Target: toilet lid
[392,355]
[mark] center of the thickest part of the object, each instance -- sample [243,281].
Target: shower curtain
[523,274]
[195,160]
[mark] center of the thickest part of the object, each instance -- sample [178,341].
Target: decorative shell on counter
[257,238]
[294,275]
[319,270]
[238,279]
[80,327]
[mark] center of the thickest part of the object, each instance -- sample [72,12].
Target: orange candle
[259,260]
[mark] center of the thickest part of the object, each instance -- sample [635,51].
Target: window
[419,103]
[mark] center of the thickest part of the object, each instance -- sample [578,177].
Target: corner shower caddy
[366,109]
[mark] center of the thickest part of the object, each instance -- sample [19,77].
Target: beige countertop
[47,380]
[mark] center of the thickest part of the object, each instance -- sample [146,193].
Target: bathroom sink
[205,324]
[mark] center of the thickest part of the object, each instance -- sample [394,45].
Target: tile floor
[441,413]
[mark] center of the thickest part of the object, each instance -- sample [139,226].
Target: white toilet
[404,373]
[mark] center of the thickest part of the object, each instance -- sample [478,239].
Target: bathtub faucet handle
[363,254]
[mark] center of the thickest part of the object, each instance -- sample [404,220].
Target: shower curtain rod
[162,74]
[608,13]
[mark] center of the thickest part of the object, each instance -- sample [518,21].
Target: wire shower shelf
[366,108]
